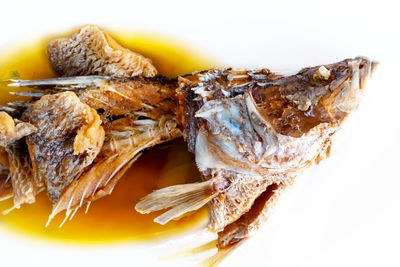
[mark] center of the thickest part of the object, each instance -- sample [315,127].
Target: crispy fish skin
[91,51]
[252,130]
[69,138]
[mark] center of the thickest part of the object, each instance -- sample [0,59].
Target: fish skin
[25,186]
[63,121]
[91,51]
[6,190]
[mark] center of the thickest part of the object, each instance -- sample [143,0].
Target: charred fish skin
[252,130]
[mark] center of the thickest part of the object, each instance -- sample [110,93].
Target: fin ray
[180,198]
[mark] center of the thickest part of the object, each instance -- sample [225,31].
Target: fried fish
[253,132]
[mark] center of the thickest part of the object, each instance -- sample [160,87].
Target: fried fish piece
[24,184]
[123,144]
[136,114]
[69,138]
[254,132]
[144,108]
[91,51]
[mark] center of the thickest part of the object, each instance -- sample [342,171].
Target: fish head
[293,105]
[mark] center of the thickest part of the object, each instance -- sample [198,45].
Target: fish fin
[61,83]
[180,198]
[110,184]
[8,109]
[31,94]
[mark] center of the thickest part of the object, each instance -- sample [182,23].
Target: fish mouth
[366,68]
[351,90]
[374,66]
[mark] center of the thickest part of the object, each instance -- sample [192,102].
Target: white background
[346,212]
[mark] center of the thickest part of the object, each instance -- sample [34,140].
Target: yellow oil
[111,218]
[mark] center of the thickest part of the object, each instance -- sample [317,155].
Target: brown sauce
[111,218]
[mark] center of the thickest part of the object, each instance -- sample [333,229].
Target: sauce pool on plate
[112,218]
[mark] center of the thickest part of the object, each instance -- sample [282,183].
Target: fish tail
[180,198]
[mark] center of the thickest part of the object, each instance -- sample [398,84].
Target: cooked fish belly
[251,130]
[91,51]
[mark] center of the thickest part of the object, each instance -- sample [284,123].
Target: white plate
[346,212]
